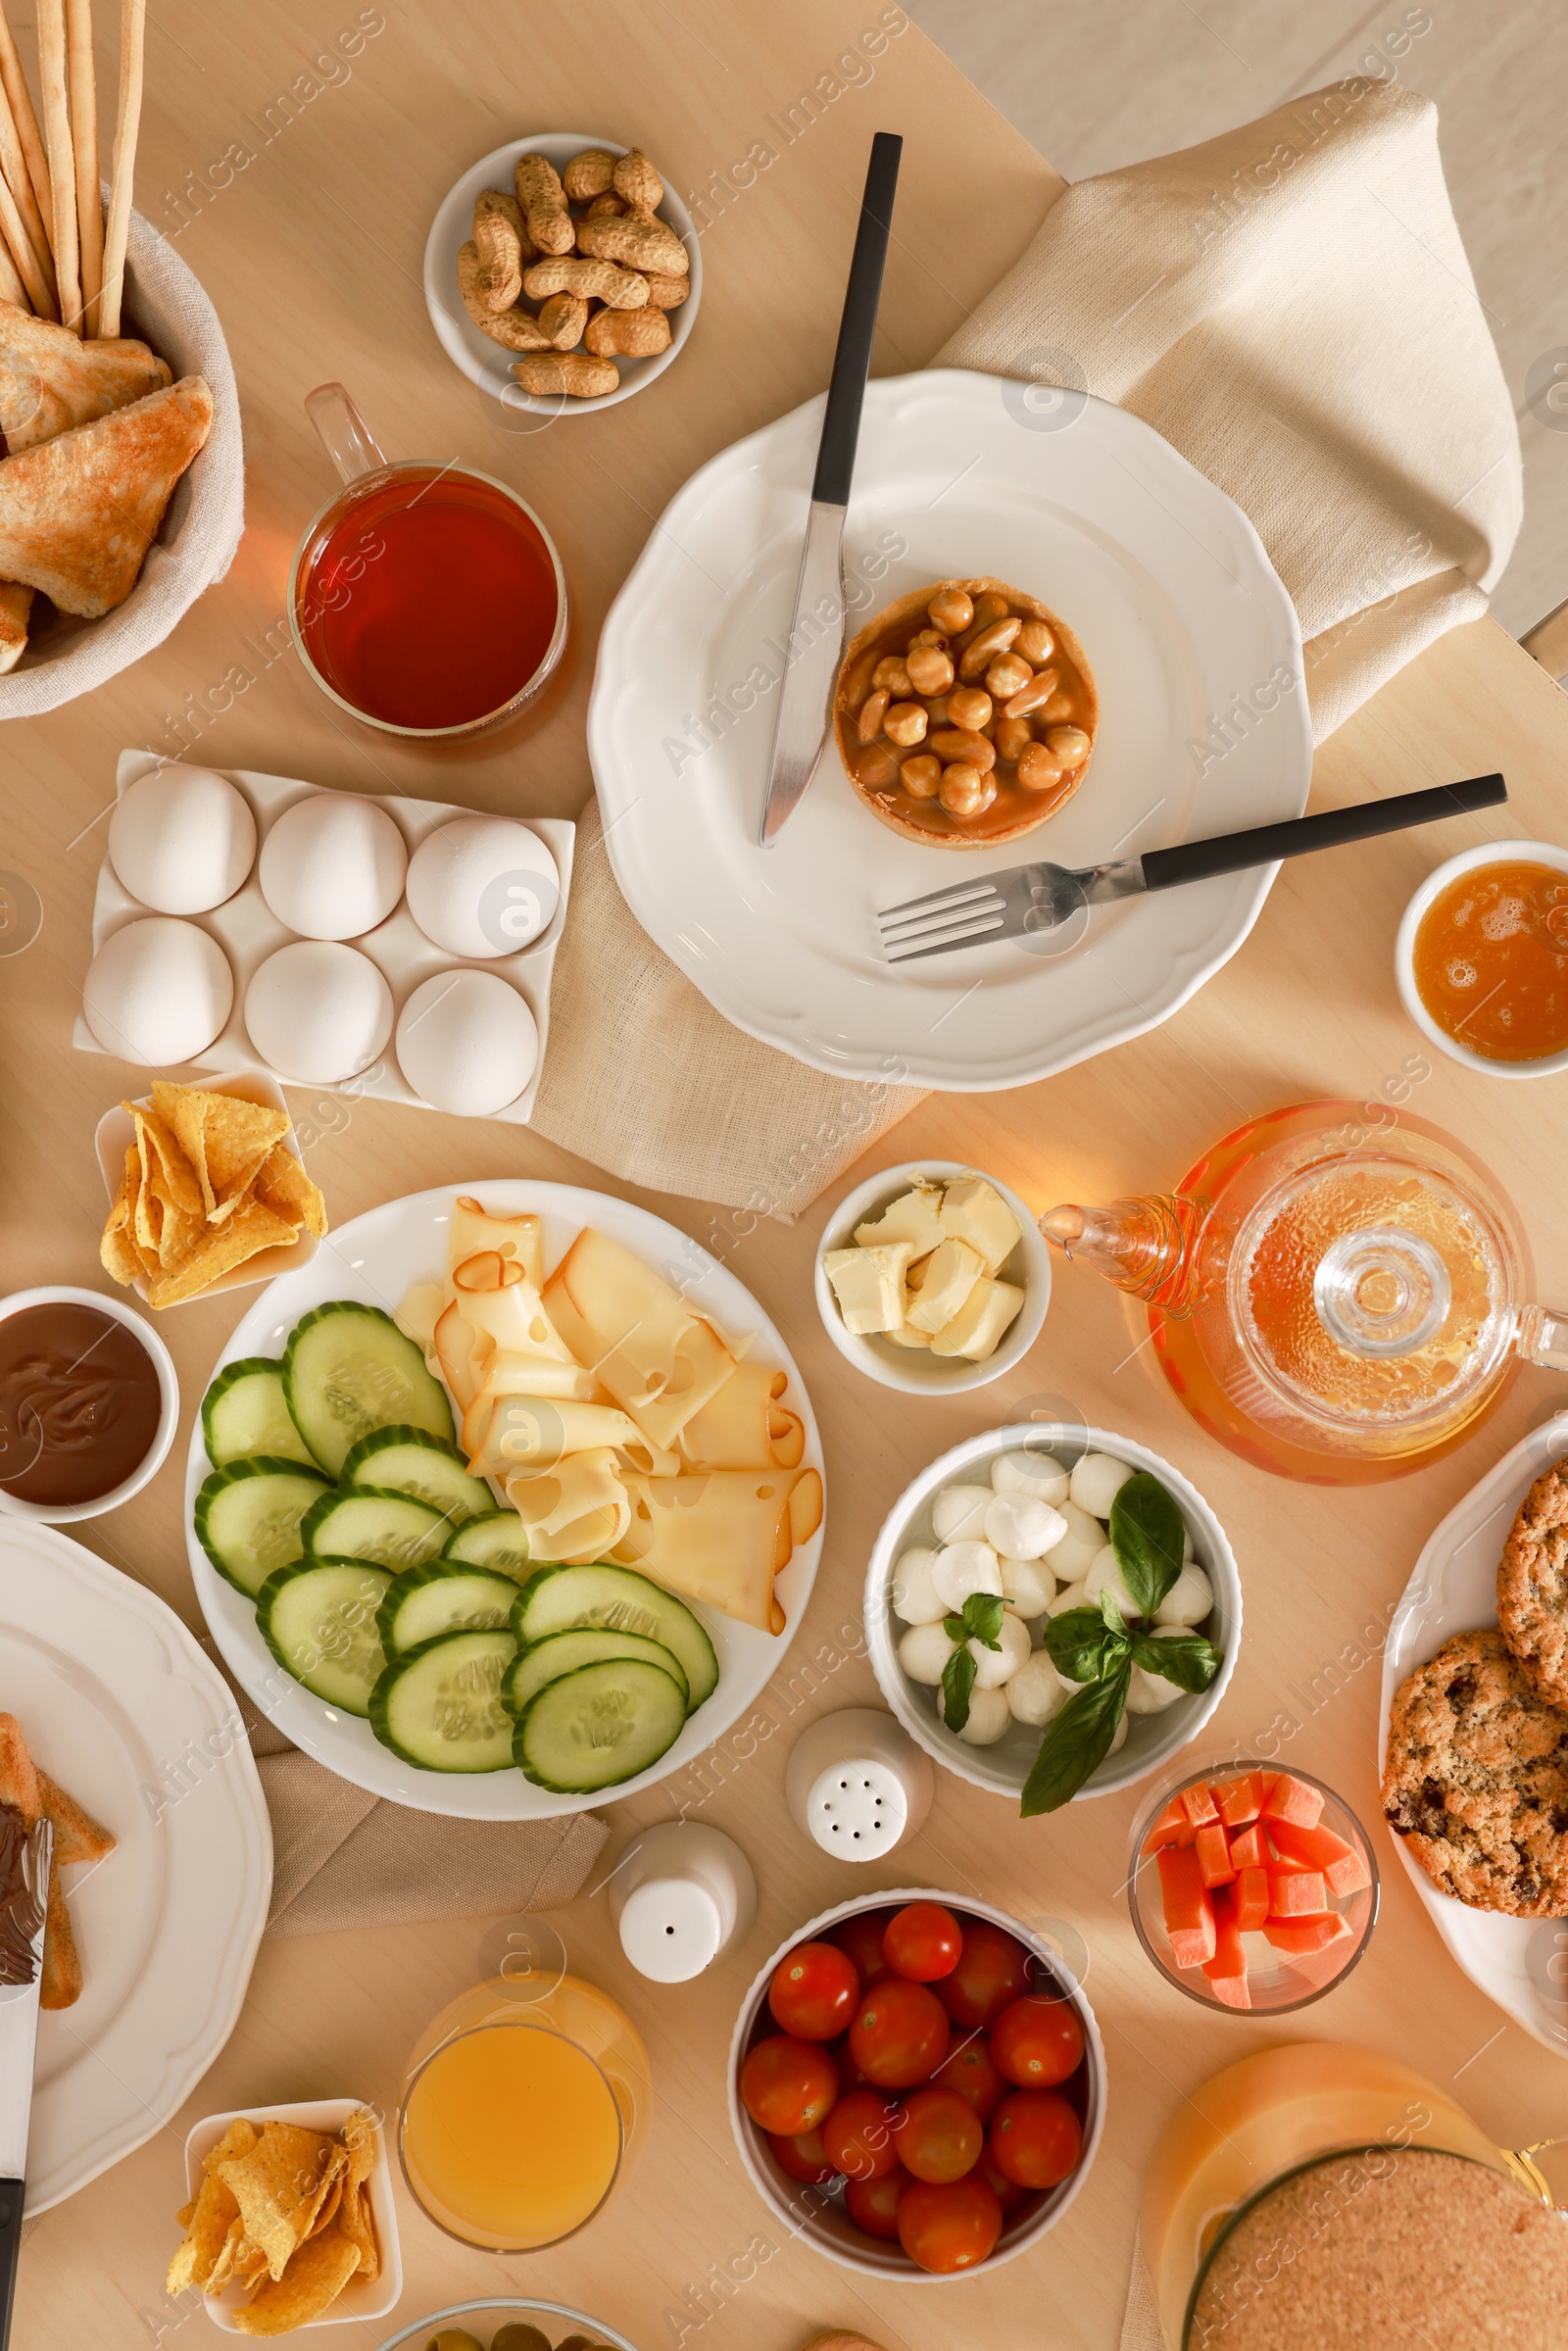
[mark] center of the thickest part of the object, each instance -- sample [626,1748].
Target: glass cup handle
[345,436]
[1542,1338]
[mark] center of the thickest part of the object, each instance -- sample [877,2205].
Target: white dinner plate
[1187,629]
[1520,1963]
[377,1258]
[120,1707]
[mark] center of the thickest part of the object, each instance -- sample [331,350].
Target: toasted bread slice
[50,379]
[16,611]
[19,1780]
[78,1835]
[60,1984]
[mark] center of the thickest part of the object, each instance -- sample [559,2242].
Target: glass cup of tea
[425,600]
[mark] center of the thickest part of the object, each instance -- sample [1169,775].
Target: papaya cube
[1213,1854]
[1173,1827]
[1251,1895]
[1232,1990]
[1227,1970]
[1197,1802]
[1239,1800]
[1292,1800]
[1249,1851]
[1296,1894]
[1344,1870]
[1188,1905]
[1301,1938]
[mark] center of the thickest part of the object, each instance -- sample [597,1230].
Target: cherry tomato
[993,1970]
[861,1936]
[922,1941]
[1036,2138]
[951,2226]
[860,2134]
[873,2204]
[851,2076]
[1010,2196]
[968,2069]
[900,2033]
[788,2086]
[815,1991]
[941,2136]
[803,2157]
[1037,2041]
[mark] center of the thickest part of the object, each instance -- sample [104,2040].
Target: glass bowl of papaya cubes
[1251,1889]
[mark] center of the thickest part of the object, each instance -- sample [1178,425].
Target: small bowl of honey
[1482,958]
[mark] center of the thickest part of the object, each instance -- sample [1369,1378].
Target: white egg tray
[248,932]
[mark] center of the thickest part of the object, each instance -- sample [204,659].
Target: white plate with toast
[119,1705]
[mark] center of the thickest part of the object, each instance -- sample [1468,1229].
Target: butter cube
[868,1285]
[952,1274]
[920,1267]
[914,1216]
[980,1322]
[975,1211]
[907,1336]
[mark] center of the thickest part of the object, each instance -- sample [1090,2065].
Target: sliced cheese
[974,1212]
[578,1512]
[980,1322]
[868,1285]
[519,1239]
[460,1352]
[537,1431]
[515,1320]
[952,1274]
[719,1539]
[659,1360]
[914,1216]
[745,1426]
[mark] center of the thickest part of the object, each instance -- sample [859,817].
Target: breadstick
[25,269]
[84,139]
[14,165]
[20,99]
[62,160]
[12,288]
[133,34]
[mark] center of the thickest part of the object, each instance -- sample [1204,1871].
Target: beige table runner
[1290,306]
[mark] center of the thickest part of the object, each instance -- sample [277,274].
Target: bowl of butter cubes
[933,1278]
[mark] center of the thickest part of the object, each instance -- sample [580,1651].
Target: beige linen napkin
[1290,306]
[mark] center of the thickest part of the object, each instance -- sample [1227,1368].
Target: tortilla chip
[281,2186]
[78,1835]
[329,2209]
[251,1229]
[118,1255]
[185,2215]
[235,2243]
[238,2139]
[146,1204]
[312,2283]
[224,1138]
[284,1186]
[156,1140]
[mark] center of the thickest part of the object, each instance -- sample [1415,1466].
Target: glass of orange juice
[526,2100]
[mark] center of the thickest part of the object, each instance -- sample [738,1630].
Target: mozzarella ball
[1096,1481]
[923,1654]
[958,1514]
[1151,1694]
[1027,1586]
[1037,1474]
[1189,1599]
[1119,1738]
[1069,1555]
[1072,1596]
[1021,1526]
[994,1667]
[1104,1575]
[1037,1692]
[914,1596]
[989,1718]
[961,1568]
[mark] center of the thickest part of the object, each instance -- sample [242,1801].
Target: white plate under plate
[120,1706]
[1520,1963]
[377,1258]
[1166,582]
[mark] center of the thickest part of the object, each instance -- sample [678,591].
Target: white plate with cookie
[1520,1963]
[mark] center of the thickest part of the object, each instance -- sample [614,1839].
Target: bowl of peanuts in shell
[561,274]
[965,714]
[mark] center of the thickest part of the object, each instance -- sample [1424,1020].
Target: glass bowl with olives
[509,2323]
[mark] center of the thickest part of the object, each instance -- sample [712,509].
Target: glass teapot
[1337,1302]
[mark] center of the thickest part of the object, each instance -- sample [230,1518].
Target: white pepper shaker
[856,1783]
[681,1895]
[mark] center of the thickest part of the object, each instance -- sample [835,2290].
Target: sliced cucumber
[245,1412]
[562,1653]
[440,1598]
[354,1522]
[615,1599]
[248,1517]
[599,1725]
[411,1461]
[499,1540]
[319,1620]
[349,1370]
[440,1707]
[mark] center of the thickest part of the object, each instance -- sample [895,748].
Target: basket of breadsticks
[122,478]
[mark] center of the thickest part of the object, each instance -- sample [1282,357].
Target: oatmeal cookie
[1475,1780]
[1533,1586]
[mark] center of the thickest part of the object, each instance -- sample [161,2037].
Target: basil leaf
[982,1618]
[1081,1644]
[956,1629]
[1189,1660]
[1110,1612]
[1077,1742]
[957,1680]
[1147,1534]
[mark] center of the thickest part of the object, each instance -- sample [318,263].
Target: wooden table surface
[309,238]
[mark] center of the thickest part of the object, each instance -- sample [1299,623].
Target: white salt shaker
[856,1783]
[681,1895]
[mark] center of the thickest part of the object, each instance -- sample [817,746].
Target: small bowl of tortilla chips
[290,2220]
[206,1189]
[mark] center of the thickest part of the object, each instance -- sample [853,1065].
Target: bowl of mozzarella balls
[1023,1529]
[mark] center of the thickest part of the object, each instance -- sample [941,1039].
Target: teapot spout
[1147,1245]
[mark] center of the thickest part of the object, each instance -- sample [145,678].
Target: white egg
[994,1667]
[1022,1526]
[916,1597]
[1028,1585]
[1071,1553]
[989,1718]
[1189,1599]
[923,1654]
[483,886]
[1028,1472]
[182,839]
[318,1012]
[1072,1596]
[1037,1692]
[158,990]
[958,1513]
[333,866]
[965,1567]
[1151,1694]
[468,1043]
[1096,1481]
[1104,1575]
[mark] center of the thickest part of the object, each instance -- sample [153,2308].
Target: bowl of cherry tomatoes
[915,2088]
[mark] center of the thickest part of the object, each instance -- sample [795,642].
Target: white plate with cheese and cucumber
[384,1605]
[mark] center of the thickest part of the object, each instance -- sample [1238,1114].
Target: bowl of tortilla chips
[290,2220]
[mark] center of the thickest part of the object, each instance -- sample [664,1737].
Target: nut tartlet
[965,714]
